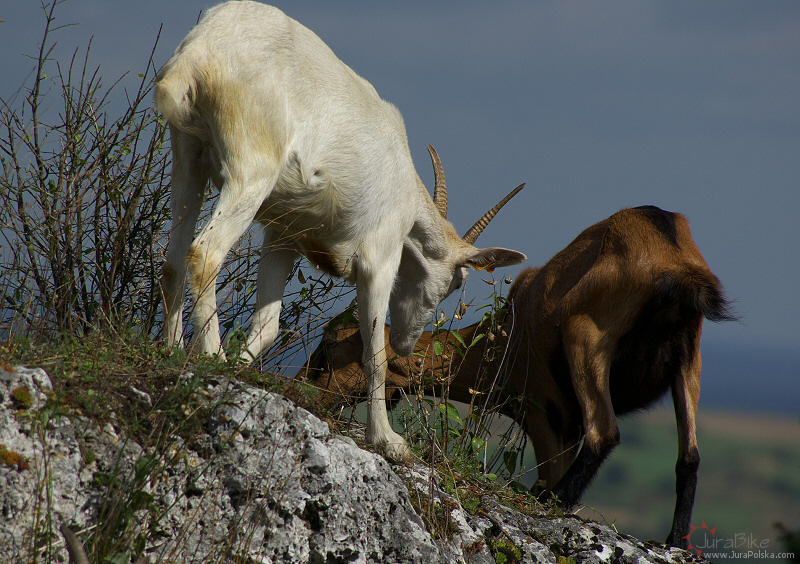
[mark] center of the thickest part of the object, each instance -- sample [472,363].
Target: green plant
[13,459]
[505,552]
[22,397]
[440,428]
[458,441]
[435,514]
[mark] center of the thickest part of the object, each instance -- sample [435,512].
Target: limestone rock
[263,481]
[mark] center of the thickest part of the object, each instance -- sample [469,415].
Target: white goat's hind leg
[189,180]
[274,267]
[373,300]
[232,216]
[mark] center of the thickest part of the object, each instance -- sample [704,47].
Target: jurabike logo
[701,545]
[704,541]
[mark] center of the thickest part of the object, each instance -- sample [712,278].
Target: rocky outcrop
[263,481]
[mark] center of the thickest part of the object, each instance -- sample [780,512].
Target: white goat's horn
[471,235]
[440,187]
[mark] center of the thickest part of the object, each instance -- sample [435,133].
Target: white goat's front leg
[238,203]
[373,299]
[274,268]
[189,179]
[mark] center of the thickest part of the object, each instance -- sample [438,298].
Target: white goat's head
[423,283]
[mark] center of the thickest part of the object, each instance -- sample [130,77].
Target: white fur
[295,140]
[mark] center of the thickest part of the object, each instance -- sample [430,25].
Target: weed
[82,195]
[13,459]
[22,398]
[505,552]
[435,513]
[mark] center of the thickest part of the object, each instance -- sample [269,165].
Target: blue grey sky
[690,106]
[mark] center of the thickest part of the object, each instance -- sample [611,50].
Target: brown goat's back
[612,268]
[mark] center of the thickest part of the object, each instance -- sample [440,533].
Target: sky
[693,107]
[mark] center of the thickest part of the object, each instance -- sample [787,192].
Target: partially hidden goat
[297,141]
[605,328]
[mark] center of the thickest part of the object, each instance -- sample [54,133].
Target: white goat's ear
[493,257]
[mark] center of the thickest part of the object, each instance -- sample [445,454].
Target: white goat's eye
[458,278]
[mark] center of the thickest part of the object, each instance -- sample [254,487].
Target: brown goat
[605,328]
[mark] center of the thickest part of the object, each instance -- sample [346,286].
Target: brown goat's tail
[698,290]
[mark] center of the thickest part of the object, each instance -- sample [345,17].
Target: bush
[81,196]
[84,214]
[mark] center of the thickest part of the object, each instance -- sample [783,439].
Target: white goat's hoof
[390,444]
[397,452]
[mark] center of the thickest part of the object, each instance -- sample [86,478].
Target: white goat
[295,140]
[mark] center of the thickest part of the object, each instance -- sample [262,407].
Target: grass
[94,375]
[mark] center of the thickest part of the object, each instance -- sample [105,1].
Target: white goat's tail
[176,88]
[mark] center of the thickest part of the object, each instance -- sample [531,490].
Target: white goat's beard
[403,342]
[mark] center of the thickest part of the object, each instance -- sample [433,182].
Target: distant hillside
[749,477]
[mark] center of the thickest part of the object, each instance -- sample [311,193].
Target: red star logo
[692,529]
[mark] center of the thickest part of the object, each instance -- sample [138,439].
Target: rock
[263,481]
[140,396]
[294,492]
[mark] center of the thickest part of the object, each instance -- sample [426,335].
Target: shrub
[81,195]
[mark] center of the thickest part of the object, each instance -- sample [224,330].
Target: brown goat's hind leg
[589,371]
[685,486]
[580,474]
[685,394]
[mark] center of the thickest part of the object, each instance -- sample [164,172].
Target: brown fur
[335,366]
[605,328]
